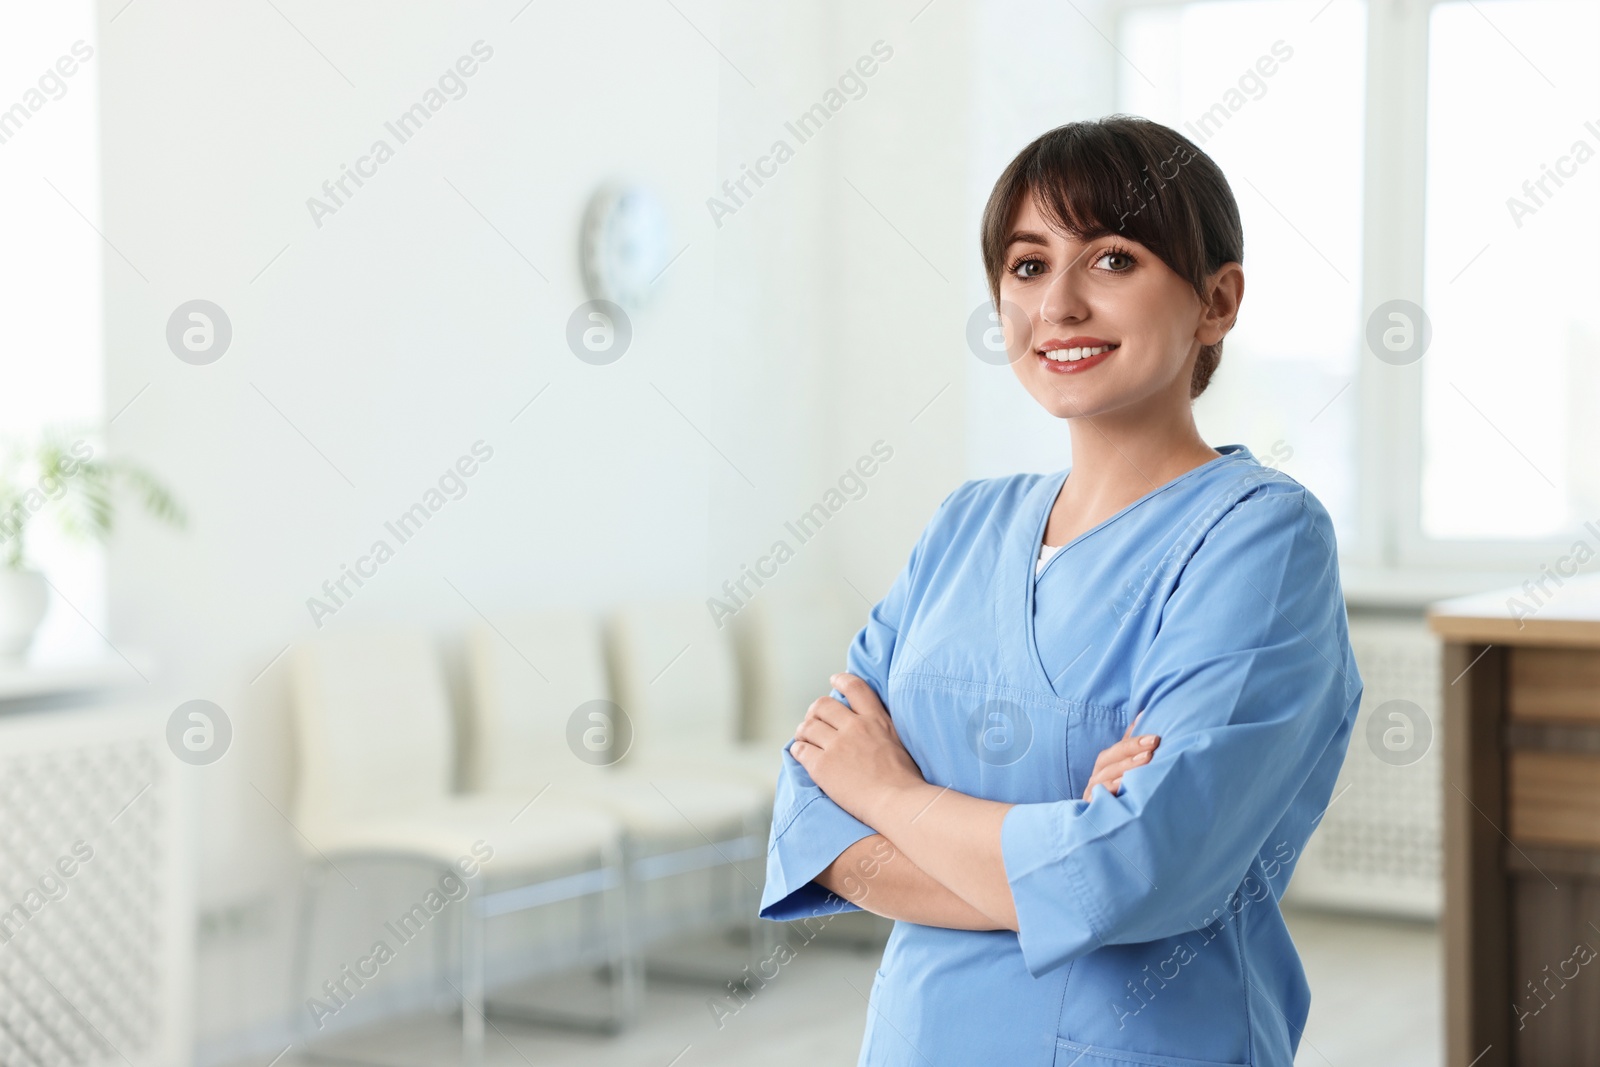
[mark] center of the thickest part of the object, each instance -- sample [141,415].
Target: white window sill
[1392,589]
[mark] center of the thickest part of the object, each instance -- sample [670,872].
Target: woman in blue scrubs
[1066,893]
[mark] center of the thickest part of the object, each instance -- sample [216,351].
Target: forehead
[1031,224]
[1028,214]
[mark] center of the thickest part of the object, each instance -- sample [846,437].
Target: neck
[1115,455]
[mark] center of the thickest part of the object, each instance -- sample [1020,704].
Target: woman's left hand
[853,751]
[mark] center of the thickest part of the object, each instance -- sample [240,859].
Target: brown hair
[1128,176]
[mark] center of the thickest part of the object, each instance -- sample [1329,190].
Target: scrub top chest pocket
[983,739]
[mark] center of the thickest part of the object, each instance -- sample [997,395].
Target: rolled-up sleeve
[812,836]
[1251,687]
[809,830]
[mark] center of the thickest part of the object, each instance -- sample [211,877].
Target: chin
[1069,405]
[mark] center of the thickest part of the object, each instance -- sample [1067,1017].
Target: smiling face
[1102,325]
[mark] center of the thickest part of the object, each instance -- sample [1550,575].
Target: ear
[1225,292]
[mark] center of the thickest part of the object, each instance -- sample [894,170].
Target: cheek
[1173,313]
[1016,335]
[1018,317]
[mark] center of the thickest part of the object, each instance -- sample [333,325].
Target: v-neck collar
[1057,480]
[1025,554]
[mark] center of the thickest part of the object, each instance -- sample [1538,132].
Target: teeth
[1072,355]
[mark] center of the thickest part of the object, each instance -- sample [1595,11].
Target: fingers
[1125,749]
[815,733]
[1119,759]
[820,723]
[829,711]
[1099,779]
[1113,783]
[1142,745]
[1121,767]
[824,718]
[863,698]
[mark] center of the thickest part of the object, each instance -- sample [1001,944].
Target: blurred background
[449,445]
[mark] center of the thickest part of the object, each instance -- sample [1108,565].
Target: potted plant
[60,473]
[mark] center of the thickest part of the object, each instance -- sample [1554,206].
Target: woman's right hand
[1132,751]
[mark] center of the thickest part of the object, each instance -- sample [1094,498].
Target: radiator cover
[1377,847]
[96,927]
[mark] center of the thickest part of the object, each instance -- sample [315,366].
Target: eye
[1119,254]
[1019,267]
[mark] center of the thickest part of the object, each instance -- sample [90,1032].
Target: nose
[1063,302]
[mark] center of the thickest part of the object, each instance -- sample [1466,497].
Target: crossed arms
[935,858]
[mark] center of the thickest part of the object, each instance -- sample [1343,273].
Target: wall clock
[625,244]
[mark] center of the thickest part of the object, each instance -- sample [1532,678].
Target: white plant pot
[24,596]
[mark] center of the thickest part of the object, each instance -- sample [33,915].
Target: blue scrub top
[1150,931]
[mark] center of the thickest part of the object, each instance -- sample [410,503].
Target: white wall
[898,206]
[374,350]
[1042,64]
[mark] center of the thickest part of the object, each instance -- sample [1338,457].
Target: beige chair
[375,741]
[543,725]
[678,675]
[790,639]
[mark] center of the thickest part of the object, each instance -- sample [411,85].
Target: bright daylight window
[1277,99]
[1512,282]
[50,264]
[1495,438]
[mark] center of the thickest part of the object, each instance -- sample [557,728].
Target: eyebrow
[1026,237]
[1033,238]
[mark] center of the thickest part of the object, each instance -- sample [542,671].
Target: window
[1512,282]
[51,350]
[1277,101]
[1443,154]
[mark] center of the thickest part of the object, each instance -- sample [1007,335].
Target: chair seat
[522,836]
[754,765]
[655,806]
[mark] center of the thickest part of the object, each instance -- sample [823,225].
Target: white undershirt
[1045,552]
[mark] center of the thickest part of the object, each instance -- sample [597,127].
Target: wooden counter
[1521,744]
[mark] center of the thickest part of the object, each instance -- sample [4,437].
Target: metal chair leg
[624,955]
[634,916]
[737,920]
[311,873]
[443,996]
[609,882]
[472,1018]
[761,932]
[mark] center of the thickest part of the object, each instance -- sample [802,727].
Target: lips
[1076,349]
[1076,341]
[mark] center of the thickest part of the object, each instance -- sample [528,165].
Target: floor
[1375,985]
[1375,991]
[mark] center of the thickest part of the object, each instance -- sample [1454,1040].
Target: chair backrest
[529,674]
[791,639]
[676,675]
[372,724]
